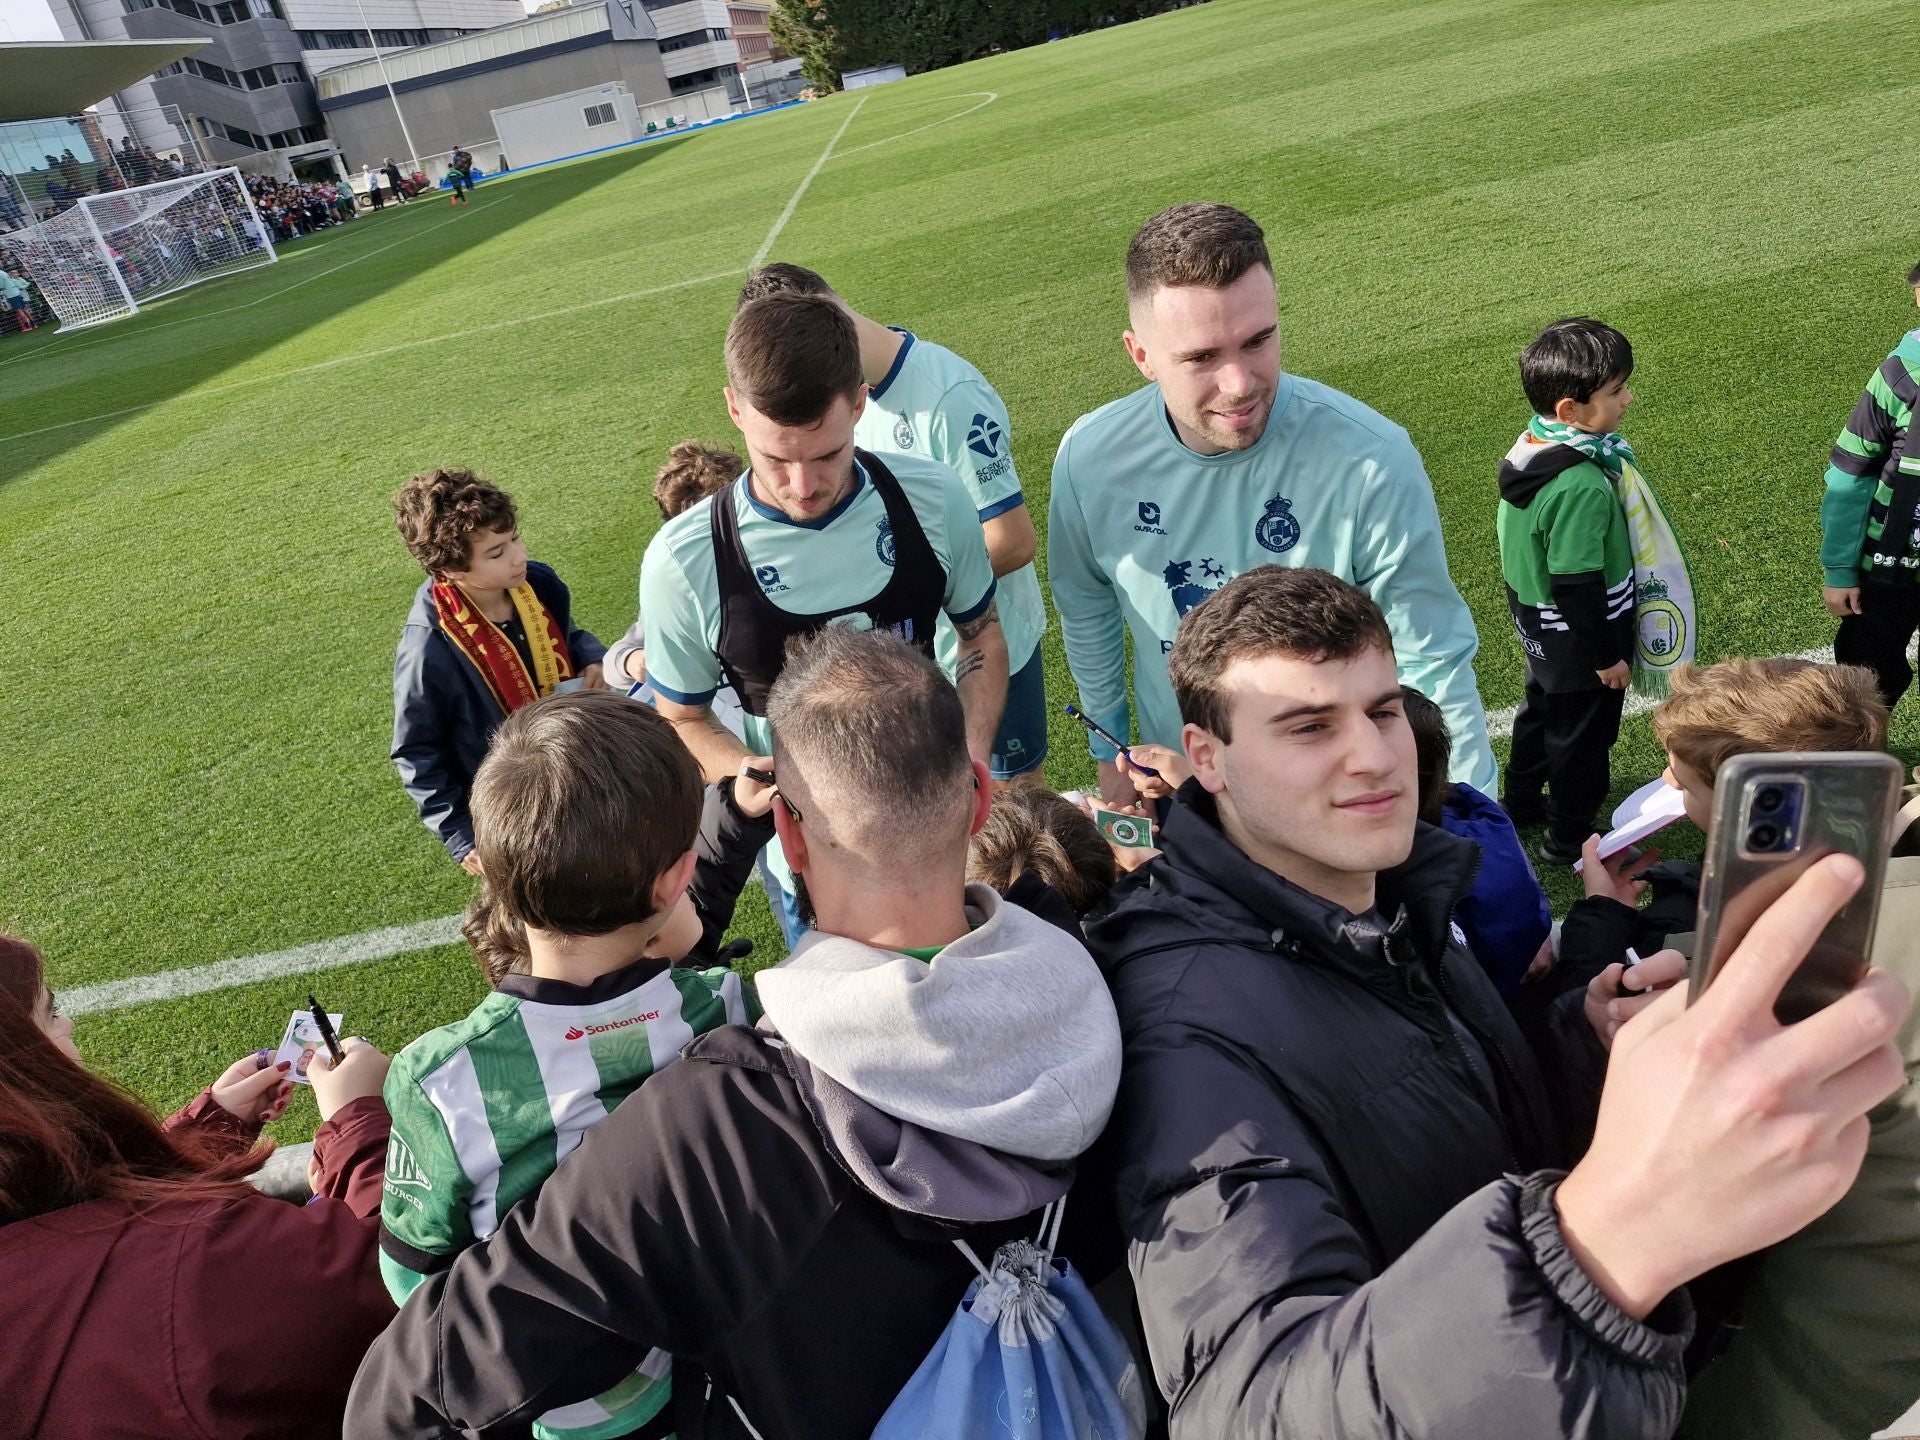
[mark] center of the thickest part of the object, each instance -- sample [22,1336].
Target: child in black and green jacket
[1568,564]
[1871,554]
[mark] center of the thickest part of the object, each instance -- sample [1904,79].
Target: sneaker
[1548,852]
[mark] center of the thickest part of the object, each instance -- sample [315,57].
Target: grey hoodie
[1006,1039]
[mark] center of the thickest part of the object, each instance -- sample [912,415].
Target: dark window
[691,38]
[699,79]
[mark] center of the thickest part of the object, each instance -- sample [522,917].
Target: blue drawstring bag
[1028,1356]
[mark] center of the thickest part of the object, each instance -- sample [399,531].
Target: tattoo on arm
[969,664]
[977,626]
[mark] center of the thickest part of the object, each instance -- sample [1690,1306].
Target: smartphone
[1773,816]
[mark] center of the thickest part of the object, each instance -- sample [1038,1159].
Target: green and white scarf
[1665,622]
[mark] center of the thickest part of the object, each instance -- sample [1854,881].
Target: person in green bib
[1223,462]
[922,399]
[817,532]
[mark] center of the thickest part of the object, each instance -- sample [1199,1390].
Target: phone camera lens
[1769,799]
[1763,837]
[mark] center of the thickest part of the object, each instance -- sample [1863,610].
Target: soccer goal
[103,257]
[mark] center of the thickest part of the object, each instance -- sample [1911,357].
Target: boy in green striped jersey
[1870,521]
[602,873]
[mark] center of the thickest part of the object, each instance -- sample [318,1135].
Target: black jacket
[1335,1227]
[444,715]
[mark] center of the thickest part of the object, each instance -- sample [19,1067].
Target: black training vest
[754,631]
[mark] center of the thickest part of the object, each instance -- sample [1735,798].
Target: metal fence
[48,164]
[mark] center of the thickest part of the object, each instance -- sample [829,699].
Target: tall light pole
[406,135]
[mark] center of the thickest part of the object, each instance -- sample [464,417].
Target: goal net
[102,258]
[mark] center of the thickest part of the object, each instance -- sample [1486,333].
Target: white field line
[1500,722]
[57,349]
[382,351]
[793,201]
[991,96]
[224,974]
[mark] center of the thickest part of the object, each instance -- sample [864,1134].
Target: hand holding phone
[1774,817]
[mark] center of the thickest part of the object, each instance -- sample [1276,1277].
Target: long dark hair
[68,1136]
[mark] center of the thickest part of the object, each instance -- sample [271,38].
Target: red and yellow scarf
[488,649]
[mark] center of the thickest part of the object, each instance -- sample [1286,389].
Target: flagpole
[412,153]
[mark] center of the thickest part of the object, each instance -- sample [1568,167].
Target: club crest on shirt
[1186,591]
[903,435]
[884,544]
[1277,530]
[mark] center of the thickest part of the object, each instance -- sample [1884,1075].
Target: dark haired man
[1222,463]
[922,399]
[1870,521]
[1337,1159]
[815,533]
[778,1207]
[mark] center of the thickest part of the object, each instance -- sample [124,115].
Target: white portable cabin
[568,124]
[873,75]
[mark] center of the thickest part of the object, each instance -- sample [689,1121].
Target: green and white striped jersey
[485,1108]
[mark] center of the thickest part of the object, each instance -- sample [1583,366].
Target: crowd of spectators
[291,208]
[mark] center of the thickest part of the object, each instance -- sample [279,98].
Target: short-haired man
[922,399]
[1337,1158]
[1870,521]
[1224,462]
[817,532]
[489,632]
[777,1208]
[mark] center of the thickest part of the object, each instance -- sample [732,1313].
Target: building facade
[250,90]
[448,91]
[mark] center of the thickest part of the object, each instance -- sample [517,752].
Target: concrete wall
[443,114]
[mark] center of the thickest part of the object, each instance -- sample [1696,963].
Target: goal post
[107,254]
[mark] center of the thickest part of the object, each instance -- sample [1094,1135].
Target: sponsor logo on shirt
[883,546]
[769,578]
[1149,519]
[903,433]
[1277,530]
[1188,592]
[402,1168]
[985,436]
[575,1032]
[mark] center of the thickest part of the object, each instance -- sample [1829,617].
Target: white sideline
[224,974]
[401,939]
[793,201]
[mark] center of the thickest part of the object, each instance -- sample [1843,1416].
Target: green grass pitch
[205,588]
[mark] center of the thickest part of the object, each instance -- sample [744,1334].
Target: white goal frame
[100,259]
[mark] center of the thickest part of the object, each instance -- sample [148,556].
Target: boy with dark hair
[1870,521]
[1035,839]
[490,631]
[1568,563]
[1342,1160]
[1505,916]
[923,399]
[603,875]
[818,531]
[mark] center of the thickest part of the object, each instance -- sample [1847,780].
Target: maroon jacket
[214,1320]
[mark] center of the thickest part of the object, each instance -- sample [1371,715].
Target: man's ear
[733,405]
[982,797]
[672,883]
[793,842]
[860,402]
[1137,352]
[1206,753]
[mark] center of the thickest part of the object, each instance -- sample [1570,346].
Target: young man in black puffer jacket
[1340,1158]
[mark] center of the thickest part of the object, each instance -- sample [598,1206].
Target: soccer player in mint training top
[602,877]
[817,532]
[1870,521]
[922,399]
[1223,463]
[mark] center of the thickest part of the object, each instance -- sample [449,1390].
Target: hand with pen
[1154,771]
[360,1072]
